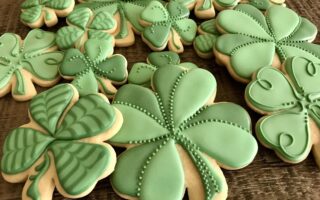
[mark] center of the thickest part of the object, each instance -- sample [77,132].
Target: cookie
[263,4]
[167,25]
[290,102]
[206,40]
[62,147]
[36,13]
[176,138]
[83,25]
[22,63]
[251,40]
[126,13]
[141,73]
[95,69]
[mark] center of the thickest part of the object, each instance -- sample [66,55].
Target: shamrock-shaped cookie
[126,13]
[204,43]
[141,73]
[292,102]
[252,40]
[167,25]
[62,147]
[263,4]
[23,62]
[177,139]
[83,25]
[96,68]
[35,13]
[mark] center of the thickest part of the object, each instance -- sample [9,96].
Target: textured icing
[252,39]
[292,101]
[78,164]
[156,121]
[94,67]
[33,55]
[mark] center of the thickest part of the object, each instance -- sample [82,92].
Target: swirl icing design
[160,124]
[167,25]
[83,25]
[35,13]
[292,103]
[34,59]
[62,145]
[252,40]
[96,68]
[141,73]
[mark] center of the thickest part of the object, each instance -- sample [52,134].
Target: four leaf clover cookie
[96,68]
[252,40]
[35,13]
[83,25]
[176,138]
[167,25]
[23,62]
[291,102]
[62,147]
[141,73]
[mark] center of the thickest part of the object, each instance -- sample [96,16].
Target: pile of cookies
[162,111]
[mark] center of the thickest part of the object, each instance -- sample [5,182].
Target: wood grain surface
[266,178]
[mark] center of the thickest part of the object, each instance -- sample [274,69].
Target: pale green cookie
[176,138]
[167,25]
[96,68]
[35,59]
[264,4]
[36,13]
[83,25]
[141,73]
[62,147]
[252,40]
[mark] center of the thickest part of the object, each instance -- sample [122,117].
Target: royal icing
[252,40]
[96,68]
[292,101]
[263,4]
[176,114]
[61,137]
[34,59]
[141,73]
[83,25]
[167,25]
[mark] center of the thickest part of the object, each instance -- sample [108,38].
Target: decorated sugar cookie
[126,13]
[83,25]
[22,63]
[176,138]
[263,4]
[62,147]
[36,13]
[206,40]
[167,25]
[141,73]
[291,104]
[252,40]
[96,68]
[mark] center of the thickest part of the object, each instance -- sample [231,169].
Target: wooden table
[266,178]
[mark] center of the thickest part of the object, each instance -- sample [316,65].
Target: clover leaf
[83,25]
[167,25]
[33,60]
[175,122]
[252,40]
[63,142]
[96,68]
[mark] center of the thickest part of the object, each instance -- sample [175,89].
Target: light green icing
[32,9]
[205,43]
[32,55]
[157,120]
[78,165]
[81,21]
[252,39]
[164,20]
[96,64]
[292,101]
[207,4]
[141,73]
[227,3]
[265,4]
